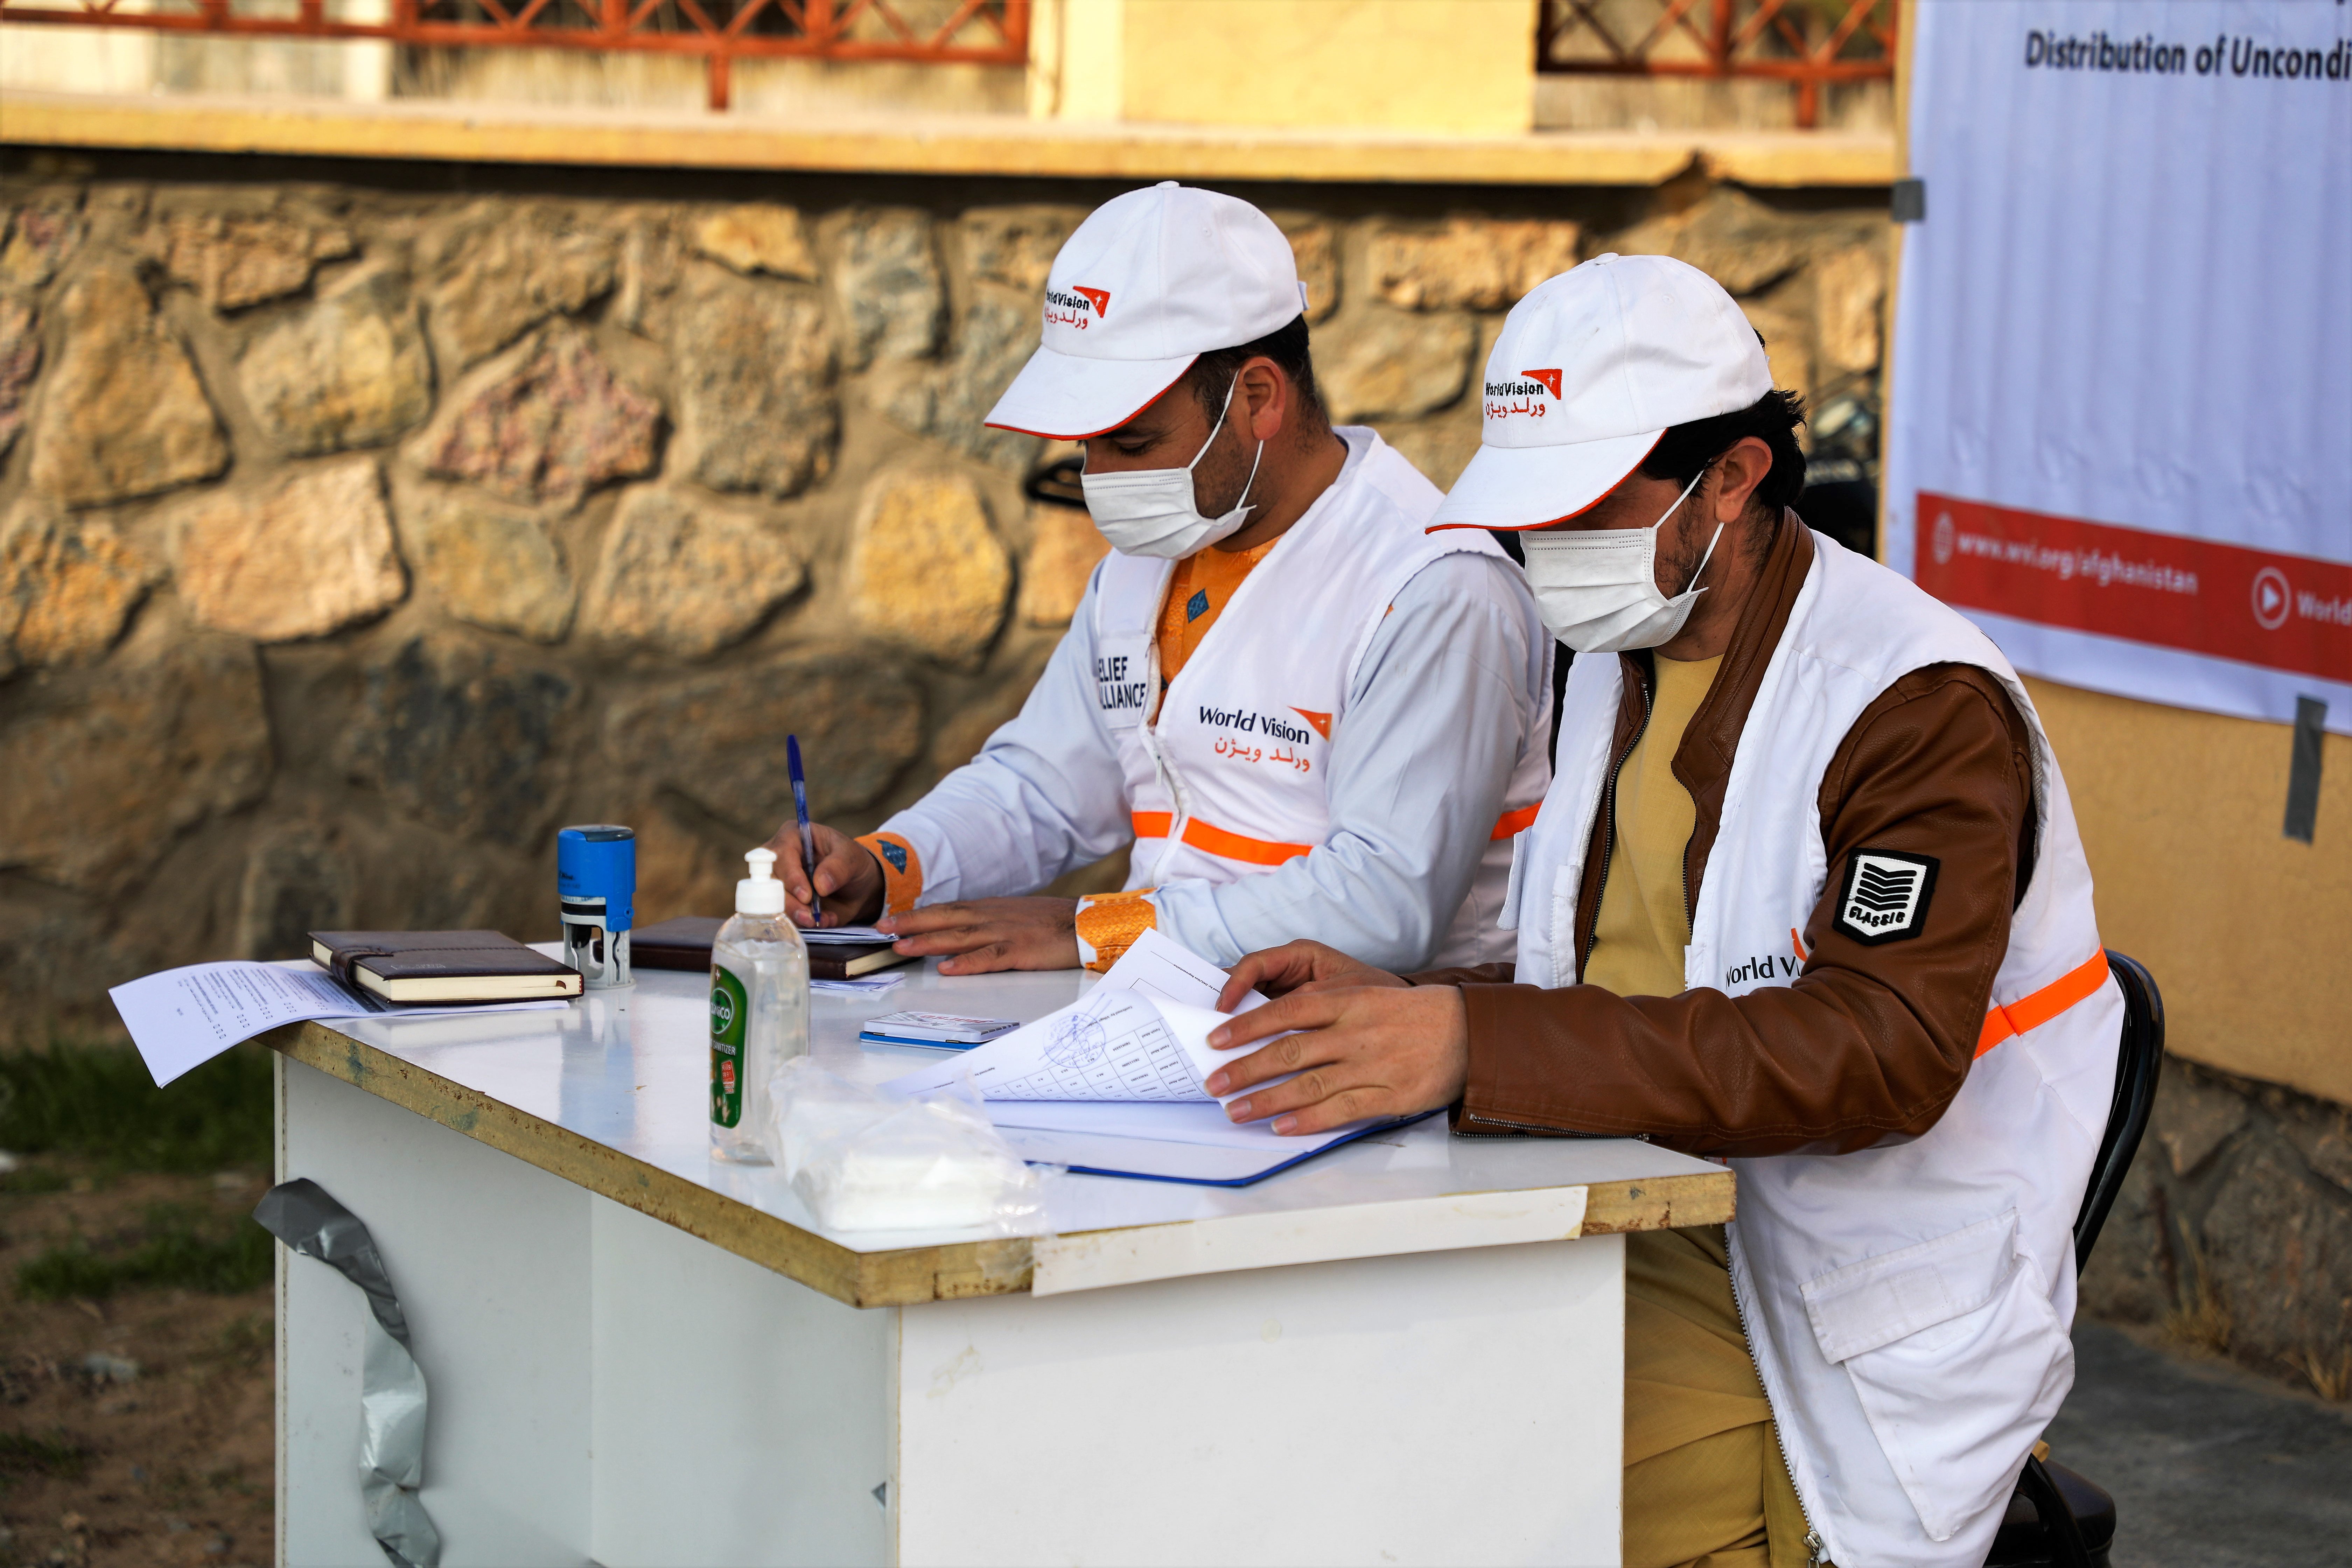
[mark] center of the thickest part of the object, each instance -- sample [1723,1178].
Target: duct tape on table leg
[392,1385]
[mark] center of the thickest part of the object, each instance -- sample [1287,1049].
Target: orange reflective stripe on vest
[1216,840]
[1234,847]
[1513,823]
[1264,852]
[2030,1012]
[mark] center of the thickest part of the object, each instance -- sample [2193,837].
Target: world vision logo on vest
[1886,895]
[1533,390]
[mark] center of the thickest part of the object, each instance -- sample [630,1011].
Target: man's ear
[1738,473]
[1265,392]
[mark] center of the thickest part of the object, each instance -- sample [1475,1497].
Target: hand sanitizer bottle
[759,1010]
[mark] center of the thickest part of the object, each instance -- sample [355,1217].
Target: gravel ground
[135,1430]
[2209,1465]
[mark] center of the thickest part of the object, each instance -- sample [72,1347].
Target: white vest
[1232,778]
[1907,1305]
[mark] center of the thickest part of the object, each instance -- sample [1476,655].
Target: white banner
[2119,430]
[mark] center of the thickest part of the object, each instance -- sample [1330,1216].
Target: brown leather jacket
[1869,1042]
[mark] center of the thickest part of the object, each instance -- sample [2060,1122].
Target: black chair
[2057,1519]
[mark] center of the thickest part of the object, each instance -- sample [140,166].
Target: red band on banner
[2283,612]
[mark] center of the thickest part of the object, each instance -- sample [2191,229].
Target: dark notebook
[680,944]
[442,966]
[685,943]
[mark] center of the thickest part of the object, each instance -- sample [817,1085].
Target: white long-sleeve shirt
[1454,686]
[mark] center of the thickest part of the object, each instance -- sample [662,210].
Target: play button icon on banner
[2273,599]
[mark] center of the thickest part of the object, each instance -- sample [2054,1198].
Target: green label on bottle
[729,1008]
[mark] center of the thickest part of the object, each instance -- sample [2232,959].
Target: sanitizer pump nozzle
[596,887]
[760,893]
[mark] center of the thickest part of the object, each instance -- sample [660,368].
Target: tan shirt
[1644,920]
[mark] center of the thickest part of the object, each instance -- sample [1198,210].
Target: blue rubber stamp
[596,886]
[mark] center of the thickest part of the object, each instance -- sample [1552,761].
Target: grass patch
[246,1342]
[230,1478]
[31,1180]
[99,1101]
[2203,1322]
[170,1252]
[21,1454]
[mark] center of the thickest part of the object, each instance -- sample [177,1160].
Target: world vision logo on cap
[1529,394]
[1886,895]
[1080,308]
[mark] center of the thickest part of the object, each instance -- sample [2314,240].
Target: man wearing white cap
[1806,895]
[1308,715]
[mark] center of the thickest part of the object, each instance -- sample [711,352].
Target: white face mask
[1152,512]
[1598,590]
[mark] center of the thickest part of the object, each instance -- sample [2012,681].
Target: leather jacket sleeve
[1869,1042]
[1479,975]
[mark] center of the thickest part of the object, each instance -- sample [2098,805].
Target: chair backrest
[2139,1056]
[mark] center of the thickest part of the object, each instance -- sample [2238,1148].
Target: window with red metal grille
[1809,44]
[975,32]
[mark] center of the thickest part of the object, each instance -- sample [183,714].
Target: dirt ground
[137,1429]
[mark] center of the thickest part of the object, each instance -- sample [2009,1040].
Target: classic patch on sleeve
[1886,895]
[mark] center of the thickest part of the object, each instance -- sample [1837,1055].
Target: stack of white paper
[1122,1068]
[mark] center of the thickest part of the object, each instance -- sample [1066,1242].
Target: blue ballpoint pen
[808,833]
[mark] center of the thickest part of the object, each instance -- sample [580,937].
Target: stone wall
[2233,1232]
[361,524]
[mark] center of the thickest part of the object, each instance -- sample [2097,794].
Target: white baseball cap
[1590,369]
[1149,282]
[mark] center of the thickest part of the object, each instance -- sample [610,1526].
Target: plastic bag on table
[865,1159]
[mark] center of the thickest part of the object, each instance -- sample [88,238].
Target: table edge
[902,1278]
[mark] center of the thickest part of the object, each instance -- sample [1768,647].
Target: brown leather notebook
[680,944]
[685,943]
[443,965]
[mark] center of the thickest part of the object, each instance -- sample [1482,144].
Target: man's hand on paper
[1300,967]
[846,877]
[988,934]
[1360,1051]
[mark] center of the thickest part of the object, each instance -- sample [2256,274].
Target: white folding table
[1406,1350]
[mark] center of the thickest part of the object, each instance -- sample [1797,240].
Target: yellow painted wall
[2245,930]
[1461,66]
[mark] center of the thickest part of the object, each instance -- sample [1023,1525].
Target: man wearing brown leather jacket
[1671,564]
